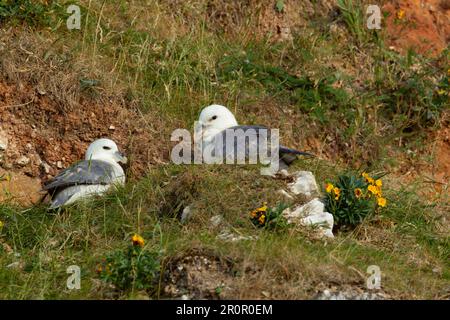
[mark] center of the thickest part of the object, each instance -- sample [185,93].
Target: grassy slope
[170,59]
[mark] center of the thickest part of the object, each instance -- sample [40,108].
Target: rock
[59,164]
[23,161]
[285,194]
[311,208]
[350,294]
[312,214]
[216,220]
[304,184]
[186,214]
[46,167]
[3,141]
[228,236]
[112,128]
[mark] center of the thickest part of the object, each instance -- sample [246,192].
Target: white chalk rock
[3,141]
[285,194]
[304,184]
[312,214]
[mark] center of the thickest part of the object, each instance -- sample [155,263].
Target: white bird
[94,175]
[215,120]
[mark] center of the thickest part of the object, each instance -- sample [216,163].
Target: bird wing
[86,172]
[257,129]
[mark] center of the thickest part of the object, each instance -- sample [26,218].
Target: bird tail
[284,150]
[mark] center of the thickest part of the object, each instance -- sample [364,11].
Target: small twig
[19,105]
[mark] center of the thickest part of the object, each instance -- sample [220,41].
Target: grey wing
[244,140]
[256,134]
[86,172]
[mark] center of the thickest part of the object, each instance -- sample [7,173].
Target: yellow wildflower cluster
[374,188]
[260,214]
[400,14]
[137,240]
[332,189]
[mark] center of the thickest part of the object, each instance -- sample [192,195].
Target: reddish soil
[423,25]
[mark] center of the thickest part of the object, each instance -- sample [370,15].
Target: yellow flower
[368,178]
[329,187]
[255,212]
[373,189]
[262,219]
[379,192]
[263,208]
[400,14]
[137,240]
[441,92]
[1,224]
[337,193]
[99,269]
[382,202]
[358,192]
[379,183]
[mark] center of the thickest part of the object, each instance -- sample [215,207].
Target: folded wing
[86,172]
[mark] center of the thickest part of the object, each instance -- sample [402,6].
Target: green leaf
[279,6]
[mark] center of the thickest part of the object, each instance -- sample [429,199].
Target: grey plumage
[286,155]
[83,178]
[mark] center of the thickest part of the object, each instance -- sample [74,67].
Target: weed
[353,198]
[132,268]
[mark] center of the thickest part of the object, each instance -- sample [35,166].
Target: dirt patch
[199,276]
[423,25]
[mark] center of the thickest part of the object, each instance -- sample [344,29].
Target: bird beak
[120,157]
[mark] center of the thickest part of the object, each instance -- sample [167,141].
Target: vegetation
[367,107]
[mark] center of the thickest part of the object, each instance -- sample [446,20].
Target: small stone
[285,194]
[216,220]
[3,142]
[46,167]
[59,164]
[23,161]
[186,214]
[111,127]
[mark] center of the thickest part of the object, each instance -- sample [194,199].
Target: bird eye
[106,148]
[214,118]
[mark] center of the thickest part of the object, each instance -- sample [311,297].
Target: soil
[424,26]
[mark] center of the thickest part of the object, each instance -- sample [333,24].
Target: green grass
[169,76]
[85,233]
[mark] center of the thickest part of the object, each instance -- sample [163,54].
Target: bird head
[216,118]
[105,149]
